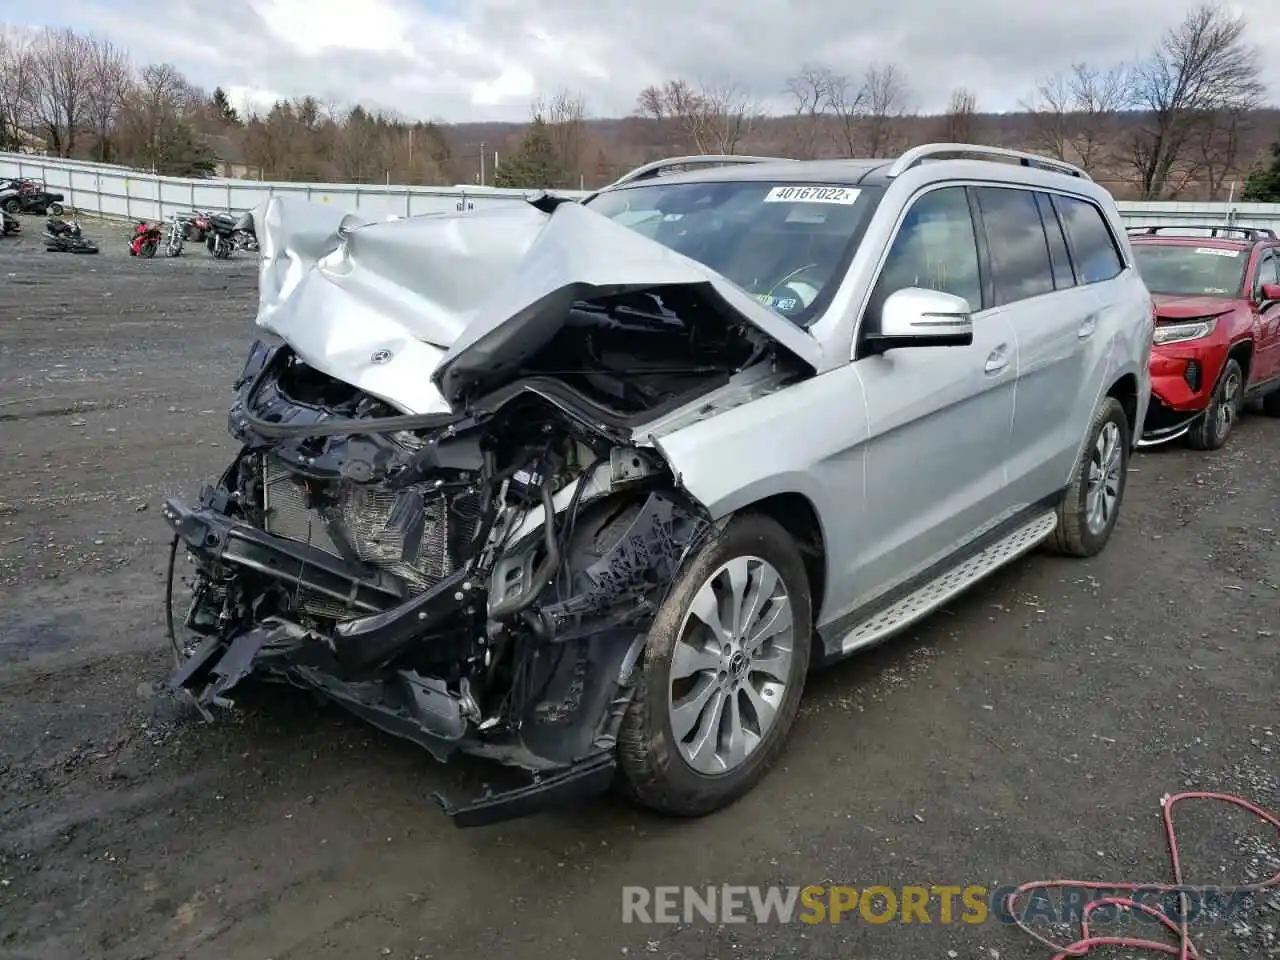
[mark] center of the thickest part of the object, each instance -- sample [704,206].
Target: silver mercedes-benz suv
[587,488]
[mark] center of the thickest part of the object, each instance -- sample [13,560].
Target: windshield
[786,244]
[1189,271]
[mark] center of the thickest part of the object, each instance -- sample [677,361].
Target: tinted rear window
[1020,266]
[786,244]
[1093,249]
[1063,276]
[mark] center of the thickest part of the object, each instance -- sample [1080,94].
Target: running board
[951,582]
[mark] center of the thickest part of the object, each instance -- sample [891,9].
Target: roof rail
[1215,230]
[659,167]
[957,150]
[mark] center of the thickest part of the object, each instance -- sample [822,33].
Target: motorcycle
[222,231]
[9,225]
[246,237]
[30,196]
[146,240]
[63,237]
[180,228]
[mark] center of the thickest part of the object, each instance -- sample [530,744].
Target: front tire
[148,249]
[55,209]
[1089,509]
[723,672]
[1212,429]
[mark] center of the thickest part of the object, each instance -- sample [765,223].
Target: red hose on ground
[1185,950]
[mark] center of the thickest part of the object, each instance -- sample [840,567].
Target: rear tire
[1211,430]
[148,249]
[721,689]
[1090,506]
[12,206]
[55,209]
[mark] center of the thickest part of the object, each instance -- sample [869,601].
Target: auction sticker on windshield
[1217,252]
[801,194]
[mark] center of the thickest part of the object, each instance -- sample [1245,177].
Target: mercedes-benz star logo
[380,356]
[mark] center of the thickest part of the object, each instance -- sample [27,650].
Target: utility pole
[482,163]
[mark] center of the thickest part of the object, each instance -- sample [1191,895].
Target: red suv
[1217,340]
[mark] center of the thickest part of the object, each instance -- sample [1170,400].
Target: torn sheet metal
[381,305]
[375,302]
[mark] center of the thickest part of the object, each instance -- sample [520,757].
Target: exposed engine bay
[481,580]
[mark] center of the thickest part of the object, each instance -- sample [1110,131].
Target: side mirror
[1270,292]
[916,317]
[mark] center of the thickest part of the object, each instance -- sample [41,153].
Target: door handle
[1086,329]
[998,359]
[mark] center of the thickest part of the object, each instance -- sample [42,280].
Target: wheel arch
[1242,352]
[796,514]
[1125,391]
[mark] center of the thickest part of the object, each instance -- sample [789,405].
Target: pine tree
[222,108]
[533,165]
[1263,185]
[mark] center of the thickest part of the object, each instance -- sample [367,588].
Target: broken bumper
[1163,423]
[399,701]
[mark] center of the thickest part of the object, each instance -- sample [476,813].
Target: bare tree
[61,85]
[810,91]
[863,118]
[848,101]
[109,79]
[674,106]
[155,113]
[1202,71]
[709,118]
[887,100]
[728,113]
[1073,114]
[960,123]
[565,115]
[1218,150]
[16,93]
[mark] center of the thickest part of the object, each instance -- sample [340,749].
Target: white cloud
[316,26]
[485,59]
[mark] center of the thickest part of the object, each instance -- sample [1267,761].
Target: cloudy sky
[485,59]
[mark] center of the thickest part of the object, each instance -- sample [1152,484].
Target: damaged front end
[479,582]
[448,514]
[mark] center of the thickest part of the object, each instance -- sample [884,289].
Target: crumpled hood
[376,303]
[1169,307]
[414,311]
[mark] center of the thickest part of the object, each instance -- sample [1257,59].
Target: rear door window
[1063,275]
[1020,265]
[1093,248]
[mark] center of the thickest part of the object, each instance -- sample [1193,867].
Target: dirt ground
[1026,732]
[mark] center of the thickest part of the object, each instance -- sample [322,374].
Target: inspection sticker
[1216,252]
[801,194]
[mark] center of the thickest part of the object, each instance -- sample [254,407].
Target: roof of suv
[785,171]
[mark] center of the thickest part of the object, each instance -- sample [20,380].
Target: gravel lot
[1027,732]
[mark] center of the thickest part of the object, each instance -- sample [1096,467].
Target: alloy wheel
[730,665]
[1105,464]
[1228,404]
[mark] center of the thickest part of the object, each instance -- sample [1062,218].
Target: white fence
[114,191]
